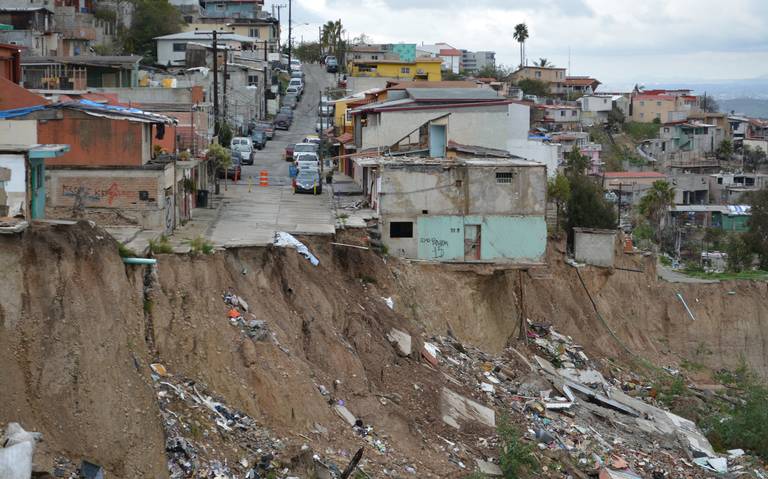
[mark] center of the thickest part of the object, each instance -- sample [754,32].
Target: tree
[559,191]
[151,18]
[724,150]
[739,253]
[544,63]
[221,160]
[654,205]
[308,52]
[576,163]
[616,119]
[588,207]
[331,37]
[534,87]
[521,35]
[708,104]
[758,226]
[753,157]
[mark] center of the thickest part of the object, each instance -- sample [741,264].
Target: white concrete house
[172,49]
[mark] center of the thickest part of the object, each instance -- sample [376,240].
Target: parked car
[259,139]
[291,101]
[266,126]
[234,171]
[286,110]
[293,90]
[331,64]
[297,83]
[308,181]
[282,121]
[240,140]
[295,65]
[314,139]
[288,153]
[245,152]
[305,160]
[297,74]
[306,147]
[325,109]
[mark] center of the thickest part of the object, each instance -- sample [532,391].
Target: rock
[401,340]
[488,468]
[455,407]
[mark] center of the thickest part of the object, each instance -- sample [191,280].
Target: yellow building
[664,106]
[419,69]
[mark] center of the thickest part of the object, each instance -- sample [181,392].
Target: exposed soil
[79,335]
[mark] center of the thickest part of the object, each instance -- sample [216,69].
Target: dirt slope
[78,338]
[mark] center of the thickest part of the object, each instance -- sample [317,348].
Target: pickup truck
[288,154]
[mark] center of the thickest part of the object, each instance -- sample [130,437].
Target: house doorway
[471,242]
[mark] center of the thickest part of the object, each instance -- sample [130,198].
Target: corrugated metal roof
[224,37]
[452,94]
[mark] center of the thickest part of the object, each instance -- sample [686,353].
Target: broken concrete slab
[583,376]
[344,413]
[455,407]
[606,473]
[602,400]
[401,339]
[488,468]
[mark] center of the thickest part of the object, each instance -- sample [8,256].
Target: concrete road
[249,218]
[304,119]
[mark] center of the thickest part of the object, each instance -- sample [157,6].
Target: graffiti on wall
[438,246]
[82,193]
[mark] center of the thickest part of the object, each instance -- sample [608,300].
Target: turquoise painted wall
[37,187]
[502,238]
[441,238]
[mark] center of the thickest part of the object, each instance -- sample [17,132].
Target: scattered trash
[286,240]
[159,369]
[17,452]
[389,302]
[88,470]
[455,407]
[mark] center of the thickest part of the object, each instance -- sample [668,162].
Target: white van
[298,83]
[241,140]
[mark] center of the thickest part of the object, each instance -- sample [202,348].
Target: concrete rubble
[566,406]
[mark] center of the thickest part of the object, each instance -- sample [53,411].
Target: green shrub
[515,457]
[161,245]
[743,426]
[200,246]
[125,252]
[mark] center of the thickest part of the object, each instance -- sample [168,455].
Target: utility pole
[215,34]
[224,99]
[290,32]
[280,25]
[266,97]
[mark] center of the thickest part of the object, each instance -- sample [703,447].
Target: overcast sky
[617,41]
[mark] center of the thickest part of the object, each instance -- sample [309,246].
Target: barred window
[504,177]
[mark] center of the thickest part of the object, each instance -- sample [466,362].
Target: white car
[305,156]
[240,140]
[298,83]
[299,148]
[295,65]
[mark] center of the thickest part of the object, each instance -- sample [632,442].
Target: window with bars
[504,177]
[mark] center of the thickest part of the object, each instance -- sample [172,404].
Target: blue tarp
[17,112]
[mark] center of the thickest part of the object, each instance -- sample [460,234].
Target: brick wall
[106,191]
[95,141]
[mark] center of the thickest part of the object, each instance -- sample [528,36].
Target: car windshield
[307,148]
[307,175]
[241,148]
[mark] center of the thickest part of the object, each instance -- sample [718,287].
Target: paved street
[246,218]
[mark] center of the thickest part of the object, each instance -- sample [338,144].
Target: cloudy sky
[617,41]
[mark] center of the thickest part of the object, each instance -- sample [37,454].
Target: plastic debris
[286,240]
[17,452]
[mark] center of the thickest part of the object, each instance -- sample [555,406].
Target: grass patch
[641,131]
[161,246]
[149,306]
[516,457]
[752,275]
[200,246]
[692,366]
[742,426]
[125,252]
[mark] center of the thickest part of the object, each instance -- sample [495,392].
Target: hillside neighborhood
[500,270]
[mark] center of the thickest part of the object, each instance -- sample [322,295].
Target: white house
[171,49]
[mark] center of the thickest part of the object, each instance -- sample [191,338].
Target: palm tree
[521,35]
[656,203]
[331,37]
[544,63]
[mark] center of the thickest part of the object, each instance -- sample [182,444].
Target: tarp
[286,240]
[17,112]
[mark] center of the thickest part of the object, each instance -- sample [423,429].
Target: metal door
[471,242]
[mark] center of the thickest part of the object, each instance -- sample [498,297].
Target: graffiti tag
[95,194]
[438,246]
